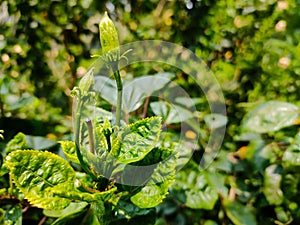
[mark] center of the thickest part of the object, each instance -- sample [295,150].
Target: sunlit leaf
[156,189]
[272,184]
[136,140]
[37,173]
[19,142]
[215,121]
[71,209]
[69,150]
[270,116]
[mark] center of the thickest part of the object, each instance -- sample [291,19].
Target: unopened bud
[109,38]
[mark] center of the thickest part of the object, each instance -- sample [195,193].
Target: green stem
[77,144]
[119,97]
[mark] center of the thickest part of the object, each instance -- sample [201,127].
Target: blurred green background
[252,47]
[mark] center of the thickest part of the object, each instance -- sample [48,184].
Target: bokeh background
[252,47]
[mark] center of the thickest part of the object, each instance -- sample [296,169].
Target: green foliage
[136,140]
[252,48]
[270,116]
[69,150]
[37,174]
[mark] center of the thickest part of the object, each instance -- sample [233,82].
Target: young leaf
[37,173]
[69,150]
[136,140]
[157,188]
[19,142]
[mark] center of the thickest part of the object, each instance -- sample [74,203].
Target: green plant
[110,153]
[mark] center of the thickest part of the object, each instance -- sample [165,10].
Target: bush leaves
[36,173]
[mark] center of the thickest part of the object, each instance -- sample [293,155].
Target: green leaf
[75,213]
[171,113]
[95,197]
[12,215]
[238,213]
[136,140]
[71,209]
[69,150]
[19,142]
[202,199]
[139,88]
[272,183]
[157,188]
[37,173]
[198,187]
[215,121]
[291,156]
[129,214]
[22,142]
[39,143]
[134,92]
[270,116]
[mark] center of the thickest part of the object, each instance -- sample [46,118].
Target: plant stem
[91,135]
[119,97]
[77,144]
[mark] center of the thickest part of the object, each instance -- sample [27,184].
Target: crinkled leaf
[272,183]
[19,142]
[270,116]
[198,190]
[238,213]
[139,173]
[156,189]
[69,150]
[291,157]
[37,173]
[204,199]
[136,140]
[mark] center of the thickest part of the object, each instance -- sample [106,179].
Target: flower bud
[109,38]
